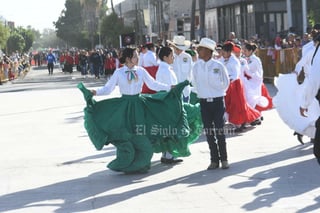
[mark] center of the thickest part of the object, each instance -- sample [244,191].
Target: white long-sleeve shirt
[305,61]
[149,59]
[140,62]
[210,79]
[255,71]
[182,67]
[233,66]
[131,87]
[165,74]
[306,48]
[244,67]
[312,83]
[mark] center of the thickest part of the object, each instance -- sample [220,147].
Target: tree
[48,39]
[69,26]
[4,35]
[314,12]
[28,36]
[111,28]
[91,13]
[15,43]
[112,6]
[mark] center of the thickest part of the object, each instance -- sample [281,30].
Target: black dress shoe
[241,128]
[170,160]
[299,137]
[256,122]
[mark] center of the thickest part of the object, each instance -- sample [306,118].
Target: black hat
[219,47]
[316,26]
[317,38]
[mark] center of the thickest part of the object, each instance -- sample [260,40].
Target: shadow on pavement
[83,194]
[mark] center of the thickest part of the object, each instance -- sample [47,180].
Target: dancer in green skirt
[139,125]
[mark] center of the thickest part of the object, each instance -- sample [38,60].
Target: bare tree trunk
[202,10]
[112,7]
[193,12]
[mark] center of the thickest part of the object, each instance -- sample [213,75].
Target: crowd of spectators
[13,66]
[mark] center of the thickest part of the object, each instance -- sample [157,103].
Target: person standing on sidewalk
[211,81]
[51,59]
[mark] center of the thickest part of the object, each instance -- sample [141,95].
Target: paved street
[48,163]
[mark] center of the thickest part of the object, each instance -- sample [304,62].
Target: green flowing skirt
[140,125]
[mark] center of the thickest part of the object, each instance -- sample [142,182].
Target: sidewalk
[48,164]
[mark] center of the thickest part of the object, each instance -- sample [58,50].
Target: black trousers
[50,68]
[316,144]
[212,112]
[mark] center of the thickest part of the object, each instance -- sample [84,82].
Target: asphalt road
[48,163]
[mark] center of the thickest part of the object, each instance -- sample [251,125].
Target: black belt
[211,99]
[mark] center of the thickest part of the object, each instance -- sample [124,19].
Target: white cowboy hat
[180,42]
[207,43]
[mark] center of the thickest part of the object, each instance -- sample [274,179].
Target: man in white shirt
[182,64]
[310,91]
[211,81]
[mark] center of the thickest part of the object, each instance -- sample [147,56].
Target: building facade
[260,18]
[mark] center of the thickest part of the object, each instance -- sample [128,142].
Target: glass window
[285,19]
[237,10]
[279,22]
[250,8]
[271,17]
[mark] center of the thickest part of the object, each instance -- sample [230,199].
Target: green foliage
[70,24]
[111,28]
[314,12]
[28,37]
[48,39]
[15,43]
[4,35]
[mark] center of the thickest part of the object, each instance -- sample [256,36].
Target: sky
[39,14]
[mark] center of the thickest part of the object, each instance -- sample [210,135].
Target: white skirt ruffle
[287,103]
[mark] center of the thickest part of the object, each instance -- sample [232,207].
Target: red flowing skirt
[152,71]
[238,109]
